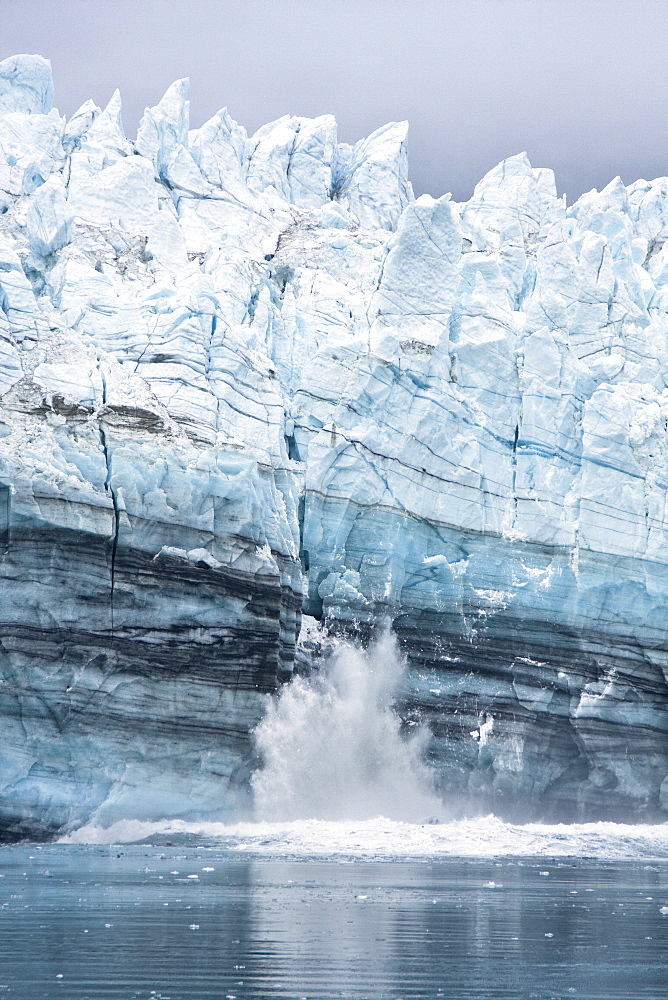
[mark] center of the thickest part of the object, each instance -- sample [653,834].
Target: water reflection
[188,924]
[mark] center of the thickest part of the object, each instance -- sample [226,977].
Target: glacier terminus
[249,378]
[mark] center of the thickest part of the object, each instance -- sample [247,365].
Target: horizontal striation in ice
[241,375]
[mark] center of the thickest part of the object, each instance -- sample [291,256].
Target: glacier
[245,378]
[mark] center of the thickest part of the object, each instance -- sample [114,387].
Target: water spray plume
[332,744]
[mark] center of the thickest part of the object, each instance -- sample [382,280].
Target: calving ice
[248,377]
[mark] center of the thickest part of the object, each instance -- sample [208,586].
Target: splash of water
[332,744]
[483,837]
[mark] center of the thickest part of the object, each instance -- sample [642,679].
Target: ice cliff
[246,376]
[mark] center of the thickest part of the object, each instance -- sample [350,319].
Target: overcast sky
[582,85]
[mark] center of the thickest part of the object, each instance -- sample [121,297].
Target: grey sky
[582,85]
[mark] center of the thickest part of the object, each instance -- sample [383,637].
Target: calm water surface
[176,922]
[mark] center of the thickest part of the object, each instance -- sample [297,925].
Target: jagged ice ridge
[245,377]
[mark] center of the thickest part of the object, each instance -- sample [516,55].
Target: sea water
[194,916]
[349,883]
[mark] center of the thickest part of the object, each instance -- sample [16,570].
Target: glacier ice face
[245,375]
[26,85]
